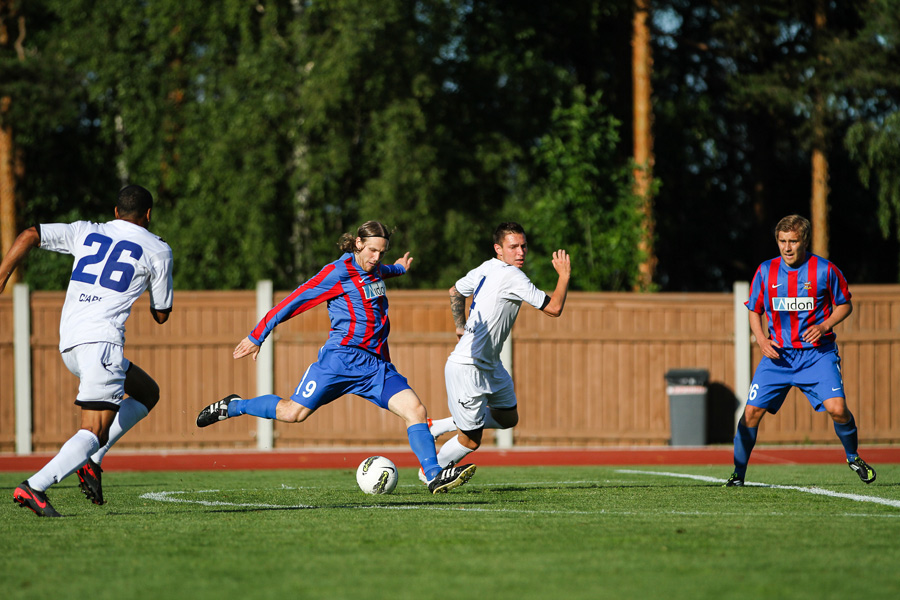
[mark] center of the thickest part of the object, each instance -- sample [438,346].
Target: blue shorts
[343,370]
[815,371]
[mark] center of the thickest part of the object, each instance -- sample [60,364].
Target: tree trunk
[8,219]
[819,203]
[818,208]
[641,67]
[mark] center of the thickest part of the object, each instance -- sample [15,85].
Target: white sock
[130,412]
[73,454]
[441,426]
[452,452]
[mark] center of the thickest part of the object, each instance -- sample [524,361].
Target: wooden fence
[594,377]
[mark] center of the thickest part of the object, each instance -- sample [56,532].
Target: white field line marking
[169,497]
[806,490]
[172,496]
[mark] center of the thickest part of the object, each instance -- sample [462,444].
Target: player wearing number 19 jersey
[803,297]
[354,360]
[114,263]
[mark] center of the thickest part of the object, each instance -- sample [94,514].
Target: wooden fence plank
[593,377]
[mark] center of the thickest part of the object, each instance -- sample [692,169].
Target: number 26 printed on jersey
[115,275]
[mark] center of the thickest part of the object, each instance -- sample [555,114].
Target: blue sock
[846,432]
[262,406]
[422,443]
[744,440]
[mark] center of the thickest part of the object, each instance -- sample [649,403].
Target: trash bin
[686,389]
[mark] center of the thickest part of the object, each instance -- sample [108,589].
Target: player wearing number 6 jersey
[355,359]
[803,297]
[114,263]
[480,392]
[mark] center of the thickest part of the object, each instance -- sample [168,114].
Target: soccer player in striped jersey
[355,359]
[114,263]
[803,297]
[480,392]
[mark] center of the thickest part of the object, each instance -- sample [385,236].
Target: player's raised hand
[562,263]
[404,261]
[244,348]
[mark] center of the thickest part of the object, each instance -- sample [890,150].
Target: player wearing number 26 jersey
[803,297]
[114,263]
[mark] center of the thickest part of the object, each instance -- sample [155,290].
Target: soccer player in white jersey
[480,392]
[114,263]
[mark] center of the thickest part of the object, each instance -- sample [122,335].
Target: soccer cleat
[451,477]
[215,412]
[422,477]
[734,481]
[89,482]
[864,470]
[34,500]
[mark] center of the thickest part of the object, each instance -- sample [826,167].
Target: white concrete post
[741,348]
[22,370]
[265,366]
[504,437]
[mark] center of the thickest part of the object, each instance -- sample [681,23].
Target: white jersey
[114,263]
[499,290]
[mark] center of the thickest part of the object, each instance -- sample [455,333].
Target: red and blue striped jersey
[357,305]
[793,299]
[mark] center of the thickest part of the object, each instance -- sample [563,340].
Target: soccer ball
[376,475]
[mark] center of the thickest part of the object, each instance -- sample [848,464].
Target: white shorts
[101,367]
[471,391]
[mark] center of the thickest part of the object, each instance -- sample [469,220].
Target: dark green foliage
[267,129]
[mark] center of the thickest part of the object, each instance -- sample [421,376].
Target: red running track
[403,457]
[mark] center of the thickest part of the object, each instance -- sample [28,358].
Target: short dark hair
[134,201]
[504,229]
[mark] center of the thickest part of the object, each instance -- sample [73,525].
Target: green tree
[586,202]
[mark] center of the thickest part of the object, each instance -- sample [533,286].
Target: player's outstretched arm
[246,347]
[24,242]
[563,266]
[404,261]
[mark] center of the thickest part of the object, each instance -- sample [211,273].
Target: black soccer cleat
[863,469]
[215,412]
[89,481]
[34,500]
[734,481]
[451,477]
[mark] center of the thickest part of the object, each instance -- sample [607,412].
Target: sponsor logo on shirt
[88,298]
[793,304]
[374,289]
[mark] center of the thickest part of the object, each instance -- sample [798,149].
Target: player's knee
[148,396]
[470,439]
[291,412]
[505,417]
[753,415]
[141,387]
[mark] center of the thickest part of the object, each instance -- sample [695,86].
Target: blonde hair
[795,223]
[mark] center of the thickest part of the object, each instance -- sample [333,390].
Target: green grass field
[538,532]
